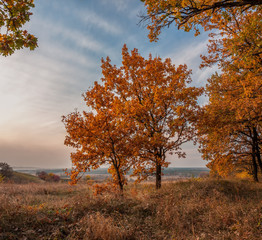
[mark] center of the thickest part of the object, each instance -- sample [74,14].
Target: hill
[193,209]
[19,177]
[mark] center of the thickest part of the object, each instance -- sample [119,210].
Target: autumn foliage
[190,14]
[13,15]
[141,111]
[231,126]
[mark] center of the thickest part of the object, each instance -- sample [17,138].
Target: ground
[192,209]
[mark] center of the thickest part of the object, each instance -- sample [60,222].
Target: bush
[51,177]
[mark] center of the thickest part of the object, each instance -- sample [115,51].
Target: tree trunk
[121,187]
[257,150]
[254,168]
[158,176]
[258,158]
[120,182]
[119,179]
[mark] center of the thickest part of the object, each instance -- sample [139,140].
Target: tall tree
[237,93]
[188,14]
[13,15]
[156,98]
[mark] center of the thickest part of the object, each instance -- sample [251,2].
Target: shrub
[51,177]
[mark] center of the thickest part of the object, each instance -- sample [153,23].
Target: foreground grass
[206,209]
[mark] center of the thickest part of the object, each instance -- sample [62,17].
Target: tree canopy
[13,15]
[188,14]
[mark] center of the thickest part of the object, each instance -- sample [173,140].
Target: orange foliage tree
[229,138]
[233,115]
[153,95]
[100,137]
[13,15]
[141,111]
[188,14]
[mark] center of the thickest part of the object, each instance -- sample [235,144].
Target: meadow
[191,209]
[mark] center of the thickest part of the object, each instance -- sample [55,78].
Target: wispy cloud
[93,19]
[118,5]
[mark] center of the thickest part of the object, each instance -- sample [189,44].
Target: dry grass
[206,209]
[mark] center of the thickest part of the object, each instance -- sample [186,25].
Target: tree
[99,136]
[5,170]
[228,140]
[236,94]
[13,15]
[154,96]
[188,14]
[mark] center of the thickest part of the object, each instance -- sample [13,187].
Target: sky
[38,87]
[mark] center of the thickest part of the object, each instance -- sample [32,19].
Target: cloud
[118,5]
[93,19]
[74,37]
[86,18]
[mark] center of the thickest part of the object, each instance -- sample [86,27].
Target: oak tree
[235,95]
[229,138]
[156,98]
[13,15]
[100,137]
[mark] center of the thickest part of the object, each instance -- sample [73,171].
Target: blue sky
[38,87]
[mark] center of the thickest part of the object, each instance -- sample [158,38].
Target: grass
[196,209]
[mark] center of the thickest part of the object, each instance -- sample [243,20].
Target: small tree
[5,170]
[100,137]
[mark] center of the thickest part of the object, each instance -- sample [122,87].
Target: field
[192,209]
